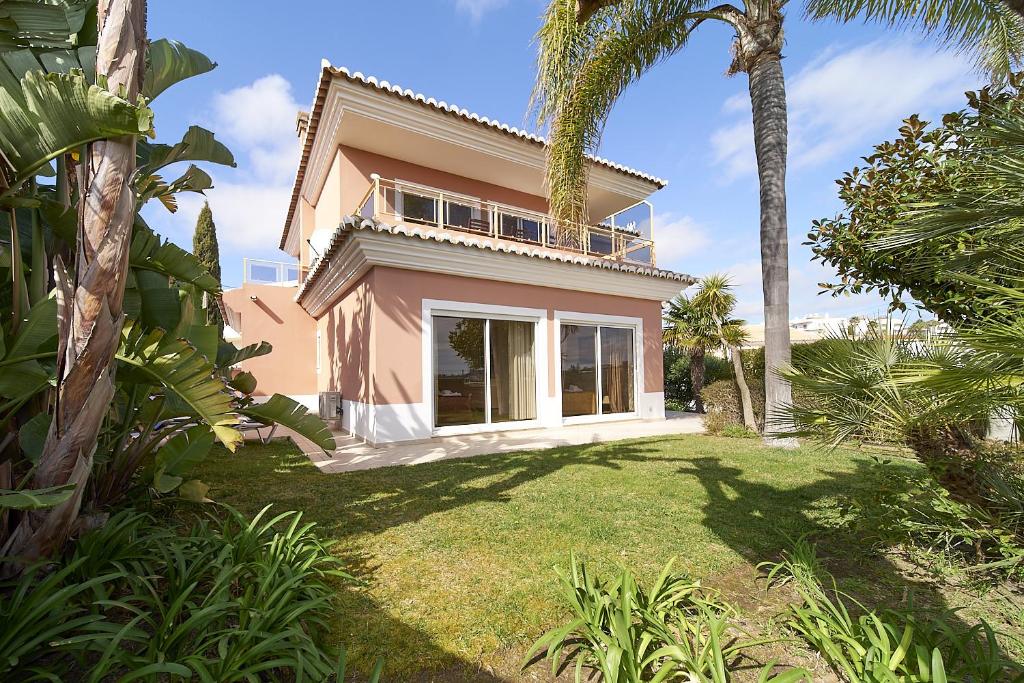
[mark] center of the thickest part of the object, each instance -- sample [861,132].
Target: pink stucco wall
[347,331]
[398,300]
[275,317]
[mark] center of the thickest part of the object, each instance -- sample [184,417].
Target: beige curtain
[522,372]
[513,372]
[616,376]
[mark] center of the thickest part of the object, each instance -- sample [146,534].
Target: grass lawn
[457,556]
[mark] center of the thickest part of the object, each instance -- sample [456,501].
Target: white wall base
[391,423]
[651,405]
[386,423]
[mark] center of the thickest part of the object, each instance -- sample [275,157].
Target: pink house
[434,296]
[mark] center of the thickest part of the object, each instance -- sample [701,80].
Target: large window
[598,370]
[484,371]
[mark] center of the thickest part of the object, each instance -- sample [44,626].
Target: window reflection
[579,370]
[459,389]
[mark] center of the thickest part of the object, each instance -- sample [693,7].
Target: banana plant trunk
[697,377]
[89,302]
[768,100]
[741,383]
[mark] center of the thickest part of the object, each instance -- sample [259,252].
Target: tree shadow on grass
[736,506]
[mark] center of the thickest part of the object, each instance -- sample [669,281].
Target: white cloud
[257,122]
[677,238]
[477,8]
[847,99]
[259,118]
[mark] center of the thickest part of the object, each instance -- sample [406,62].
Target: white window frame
[600,320]
[460,309]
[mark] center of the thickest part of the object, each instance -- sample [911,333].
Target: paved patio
[353,454]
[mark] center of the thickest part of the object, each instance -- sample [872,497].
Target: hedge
[723,397]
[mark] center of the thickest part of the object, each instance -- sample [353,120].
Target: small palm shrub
[219,598]
[674,630]
[886,646]
[912,511]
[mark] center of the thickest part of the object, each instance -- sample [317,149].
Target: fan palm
[702,324]
[590,51]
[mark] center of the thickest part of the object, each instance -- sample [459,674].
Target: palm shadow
[736,505]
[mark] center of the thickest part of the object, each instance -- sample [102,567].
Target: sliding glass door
[598,370]
[484,371]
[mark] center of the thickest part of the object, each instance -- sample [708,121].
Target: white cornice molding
[345,96]
[364,249]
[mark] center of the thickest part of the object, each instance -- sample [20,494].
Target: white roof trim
[351,224]
[473,116]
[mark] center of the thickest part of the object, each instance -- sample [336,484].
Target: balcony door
[598,370]
[485,371]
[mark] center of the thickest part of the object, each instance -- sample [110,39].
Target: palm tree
[590,51]
[702,324]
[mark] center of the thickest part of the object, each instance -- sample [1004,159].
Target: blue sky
[848,86]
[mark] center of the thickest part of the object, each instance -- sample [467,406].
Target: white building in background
[815,326]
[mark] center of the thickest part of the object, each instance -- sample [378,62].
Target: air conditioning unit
[330,405]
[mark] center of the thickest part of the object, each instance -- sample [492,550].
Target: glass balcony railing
[625,236]
[259,271]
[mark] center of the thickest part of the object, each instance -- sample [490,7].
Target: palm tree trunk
[89,309]
[768,100]
[741,383]
[697,377]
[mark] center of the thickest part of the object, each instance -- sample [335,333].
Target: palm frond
[986,29]
[582,70]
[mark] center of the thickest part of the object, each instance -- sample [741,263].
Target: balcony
[624,236]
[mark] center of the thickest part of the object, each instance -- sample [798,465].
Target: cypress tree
[206,249]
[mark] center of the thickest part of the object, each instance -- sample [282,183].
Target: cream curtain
[513,371]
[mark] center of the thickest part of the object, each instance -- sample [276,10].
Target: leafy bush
[739,432]
[884,646]
[723,397]
[676,630]
[221,599]
[678,387]
[913,511]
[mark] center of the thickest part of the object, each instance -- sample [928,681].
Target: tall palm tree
[89,309]
[703,324]
[590,51]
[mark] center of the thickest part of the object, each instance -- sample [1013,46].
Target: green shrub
[913,511]
[676,630]
[724,397]
[678,387]
[216,598]
[739,432]
[715,421]
[884,646]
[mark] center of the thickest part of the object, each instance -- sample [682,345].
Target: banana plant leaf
[25,23]
[171,62]
[51,114]
[35,499]
[194,179]
[197,144]
[284,411]
[179,455]
[184,371]
[229,355]
[35,332]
